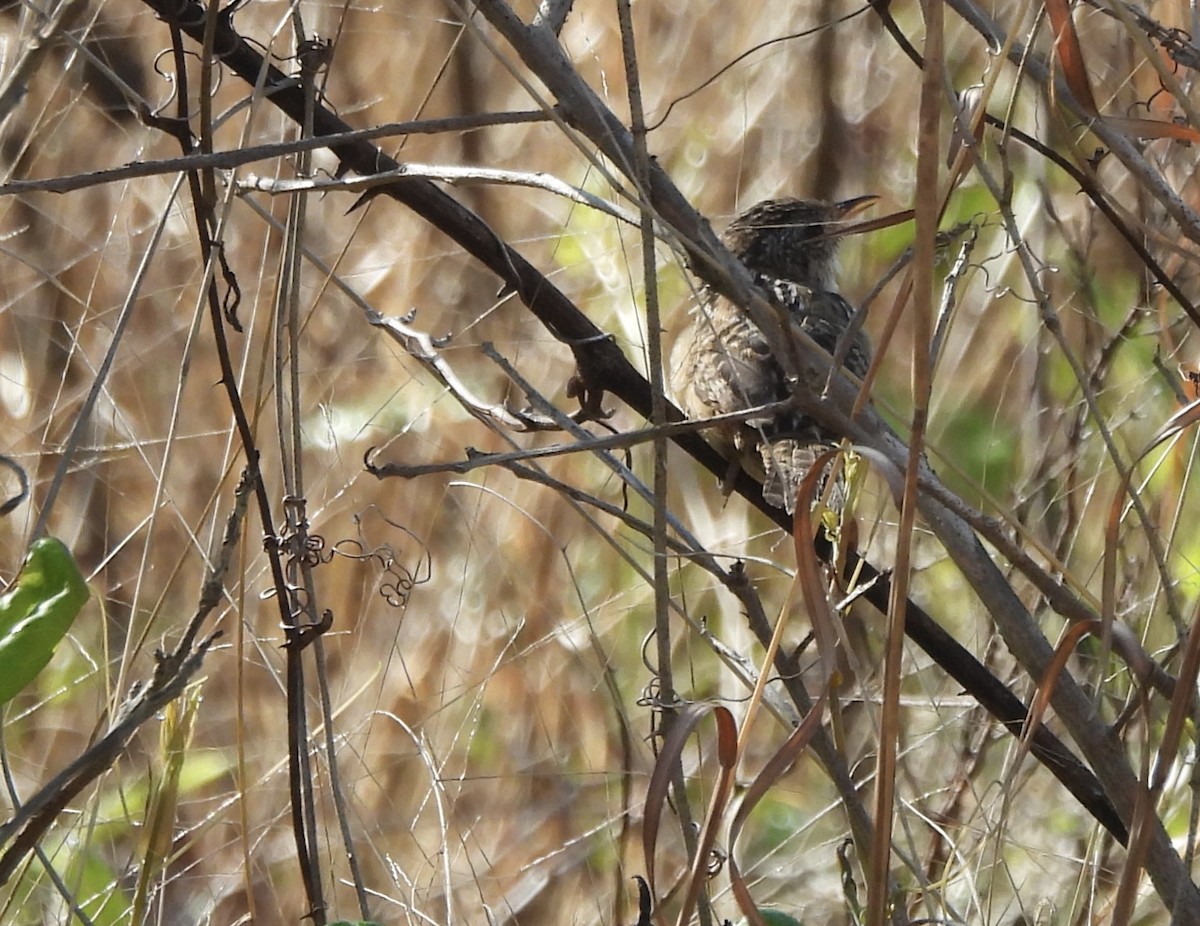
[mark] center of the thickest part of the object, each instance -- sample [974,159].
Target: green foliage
[775,918]
[983,449]
[971,203]
[775,823]
[36,613]
[124,811]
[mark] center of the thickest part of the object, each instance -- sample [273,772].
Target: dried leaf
[1070,55]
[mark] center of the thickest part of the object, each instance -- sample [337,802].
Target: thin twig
[228,160]
[451,175]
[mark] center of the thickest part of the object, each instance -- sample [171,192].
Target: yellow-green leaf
[36,612]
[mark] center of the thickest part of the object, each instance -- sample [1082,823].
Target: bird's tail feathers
[786,463]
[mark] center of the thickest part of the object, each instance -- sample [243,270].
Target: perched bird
[723,362]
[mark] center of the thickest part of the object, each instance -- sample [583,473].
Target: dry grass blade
[657,793]
[1070,54]
[175,738]
[808,569]
[727,746]
[1153,128]
[783,759]
[1181,710]
[1062,653]
[1184,418]
[1182,703]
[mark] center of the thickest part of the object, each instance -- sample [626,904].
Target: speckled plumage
[723,363]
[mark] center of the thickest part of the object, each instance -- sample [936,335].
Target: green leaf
[773,917]
[36,612]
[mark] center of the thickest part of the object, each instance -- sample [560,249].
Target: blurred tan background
[479,747]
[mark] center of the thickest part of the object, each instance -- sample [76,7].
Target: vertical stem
[927,212]
[658,417]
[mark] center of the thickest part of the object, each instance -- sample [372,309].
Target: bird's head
[793,239]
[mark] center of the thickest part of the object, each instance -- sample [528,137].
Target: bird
[723,362]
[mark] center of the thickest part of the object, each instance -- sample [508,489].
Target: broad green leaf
[36,612]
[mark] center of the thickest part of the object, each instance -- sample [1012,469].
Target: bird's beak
[849,207]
